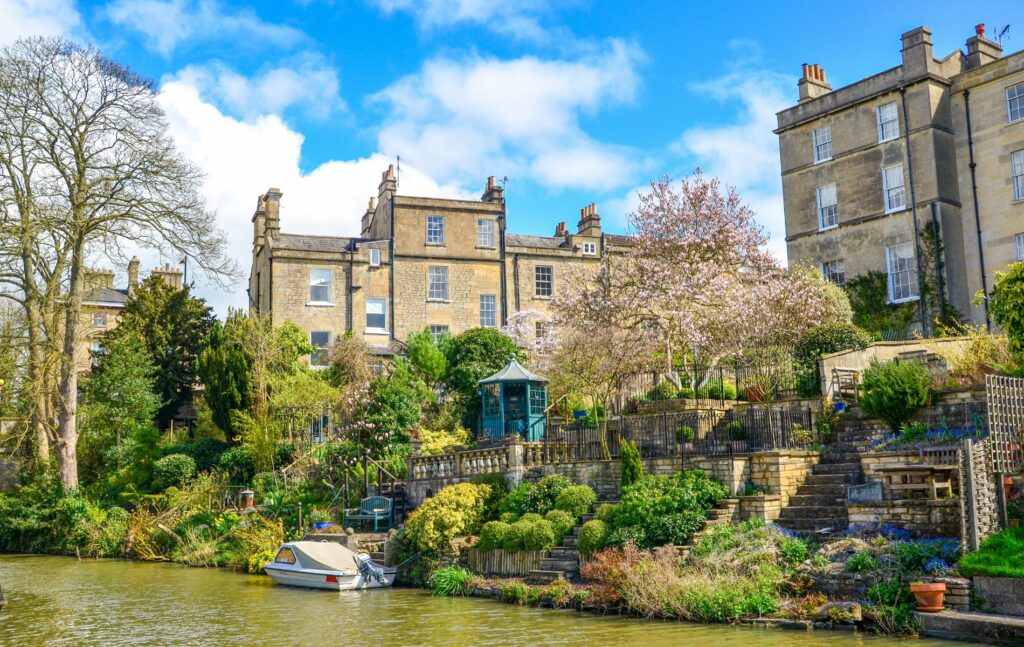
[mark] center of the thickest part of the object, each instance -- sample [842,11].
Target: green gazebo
[514,400]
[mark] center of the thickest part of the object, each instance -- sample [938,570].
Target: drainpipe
[515,278]
[350,317]
[977,216]
[938,259]
[501,257]
[913,210]
[391,248]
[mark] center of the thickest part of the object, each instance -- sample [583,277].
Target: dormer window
[590,249]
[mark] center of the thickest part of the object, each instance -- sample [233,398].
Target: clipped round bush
[593,536]
[827,339]
[529,534]
[663,391]
[174,470]
[492,535]
[531,517]
[736,430]
[605,512]
[561,522]
[716,390]
[577,500]
[685,434]
[456,510]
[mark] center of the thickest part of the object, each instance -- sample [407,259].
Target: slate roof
[106,295]
[309,243]
[616,239]
[551,242]
[513,372]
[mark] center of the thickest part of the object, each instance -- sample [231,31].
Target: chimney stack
[388,184]
[272,211]
[493,192]
[981,50]
[169,275]
[590,221]
[561,231]
[133,275]
[95,279]
[812,83]
[367,224]
[918,58]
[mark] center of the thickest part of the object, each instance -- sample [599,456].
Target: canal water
[62,601]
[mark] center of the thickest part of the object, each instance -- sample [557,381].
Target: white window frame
[1015,103]
[821,140]
[99,320]
[1017,170]
[377,303]
[437,283]
[1019,239]
[547,283]
[96,351]
[828,214]
[590,249]
[890,192]
[374,257]
[316,358]
[435,229]
[439,331]
[485,233]
[316,285]
[488,311]
[883,123]
[832,270]
[901,271]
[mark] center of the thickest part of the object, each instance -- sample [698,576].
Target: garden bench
[372,508]
[844,382]
[911,479]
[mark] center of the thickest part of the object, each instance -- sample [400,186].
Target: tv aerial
[1001,33]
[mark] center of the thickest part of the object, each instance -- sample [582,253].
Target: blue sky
[575,101]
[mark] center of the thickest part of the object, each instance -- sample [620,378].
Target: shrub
[861,562]
[649,507]
[514,503]
[685,393]
[256,560]
[451,581]
[793,551]
[206,452]
[514,592]
[605,512]
[736,431]
[717,390]
[1006,305]
[238,463]
[455,510]
[893,607]
[561,522]
[663,391]
[623,536]
[492,535]
[1000,555]
[593,536]
[499,489]
[174,470]
[675,528]
[632,465]
[542,496]
[827,339]
[441,441]
[685,434]
[529,534]
[577,500]
[892,391]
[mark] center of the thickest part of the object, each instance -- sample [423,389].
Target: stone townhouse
[869,170]
[419,262]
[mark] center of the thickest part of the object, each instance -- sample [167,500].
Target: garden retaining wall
[1003,595]
[927,517]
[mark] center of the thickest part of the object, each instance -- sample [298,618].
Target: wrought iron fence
[704,432]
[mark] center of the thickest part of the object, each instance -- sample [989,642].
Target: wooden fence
[500,562]
[1005,397]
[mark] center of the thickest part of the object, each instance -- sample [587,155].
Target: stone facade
[378,285]
[927,517]
[912,120]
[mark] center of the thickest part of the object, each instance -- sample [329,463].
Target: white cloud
[243,158]
[745,153]
[522,19]
[19,18]
[167,23]
[519,117]
[308,84]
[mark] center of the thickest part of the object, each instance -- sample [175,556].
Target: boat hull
[331,581]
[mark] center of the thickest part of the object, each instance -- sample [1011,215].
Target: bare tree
[104,171]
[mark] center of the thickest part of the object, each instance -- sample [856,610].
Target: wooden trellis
[1005,397]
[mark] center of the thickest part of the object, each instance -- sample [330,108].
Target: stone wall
[1003,595]
[782,472]
[766,507]
[928,517]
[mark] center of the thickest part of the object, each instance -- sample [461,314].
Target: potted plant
[929,595]
[320,517]
[685,437]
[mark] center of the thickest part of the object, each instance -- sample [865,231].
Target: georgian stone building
[928,145]
[418,262]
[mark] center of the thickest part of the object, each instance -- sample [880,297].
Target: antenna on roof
[398,171]
[1002,32]
[504,181]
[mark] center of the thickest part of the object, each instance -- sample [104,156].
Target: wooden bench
[913,479]
[372,508]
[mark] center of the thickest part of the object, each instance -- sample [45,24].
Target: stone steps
[837,468]
[565,552]
[541,576]
[844,479]
[809,500]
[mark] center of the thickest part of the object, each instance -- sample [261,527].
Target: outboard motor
[369,570]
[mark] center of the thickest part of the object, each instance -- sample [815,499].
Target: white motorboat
[327,565]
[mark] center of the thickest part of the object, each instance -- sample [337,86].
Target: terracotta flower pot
[929,596]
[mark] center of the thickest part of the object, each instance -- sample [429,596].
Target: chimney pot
[979,29]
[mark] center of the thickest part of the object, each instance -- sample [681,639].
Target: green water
[58,600]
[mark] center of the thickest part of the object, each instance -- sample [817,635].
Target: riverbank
[126,602]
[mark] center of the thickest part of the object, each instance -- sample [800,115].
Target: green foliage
[173,470]
[577,500]
[455,510]
[205,452]
[561,521]
[829,338]
[793,551]
[892,391]
[605,512]
[1006,306]
[539,497]
[530,533]
[499,489]
[451,581]
[223,367]
[1000,555]
[239,464]
[663,509]
[717,390]
[894,607]
[173,326]
[685,434]
[632,465]
[472,356]
[441,441]
[663,391]
[862,562]
[869,298]
[593,536]
[736,431]
[493,535]
[396,405]
[426,356]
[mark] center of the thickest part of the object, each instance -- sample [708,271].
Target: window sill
[896,210]
[542,296]
[829,228]
[896,302]
[822,161]
[375,331]
[491,247]
[439,300]
[429,244]
[1017,201]
[891,139]
[320,304]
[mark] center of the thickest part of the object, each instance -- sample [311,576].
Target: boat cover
[325,556]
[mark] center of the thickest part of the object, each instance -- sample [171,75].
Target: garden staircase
[723,514]
[563,562]
[819,505]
